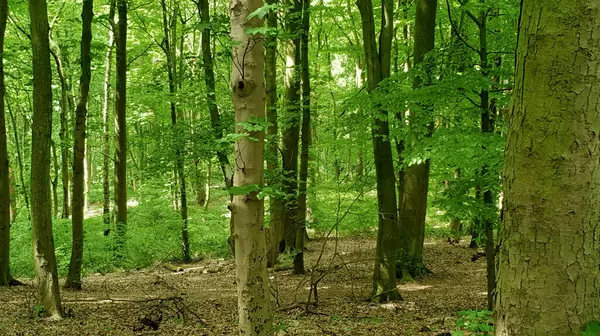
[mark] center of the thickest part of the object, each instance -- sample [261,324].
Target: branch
[19,27]
[455,30]
[140,55]
[474,18]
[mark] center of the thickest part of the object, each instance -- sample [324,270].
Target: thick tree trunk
[272,155]
[120,178]
[254,306]
[170,52]
[413,210]
[105,119]
[378,68]
[5,208]
[78,205]
[41,217]
[548,280]
[290,126]
[306,139]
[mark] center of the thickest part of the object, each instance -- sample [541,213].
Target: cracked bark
[549,280]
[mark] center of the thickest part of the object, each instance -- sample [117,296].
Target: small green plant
[591,329]
[281,326]
[39,310]
[474,322]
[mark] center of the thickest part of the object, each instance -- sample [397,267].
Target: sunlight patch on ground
[413,287]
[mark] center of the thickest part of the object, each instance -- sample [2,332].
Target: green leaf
[245,189]
[592,329]
[263,11]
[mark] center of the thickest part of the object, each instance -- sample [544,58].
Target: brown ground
[113,304]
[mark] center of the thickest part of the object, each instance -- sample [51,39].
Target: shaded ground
[113,304]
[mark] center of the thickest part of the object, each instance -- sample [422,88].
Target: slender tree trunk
[74,277]
[170,52]
[413,210]
[291,124]
[105,119]
[201,184]
[306,139]
[209,78]
[548,280]
[55,180]
[120,178]
[24,190]
[215,118]
[254,306]
[65,111]
[5,208]
[272,155]
[41,218]
[487,127]
[378,68]
[87,176]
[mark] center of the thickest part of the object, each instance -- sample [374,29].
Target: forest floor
[200,298]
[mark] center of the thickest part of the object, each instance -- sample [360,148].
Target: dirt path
[113,304]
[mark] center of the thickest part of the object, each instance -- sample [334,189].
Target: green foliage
[474,322]
[245,189]
[153,234]
[591,329]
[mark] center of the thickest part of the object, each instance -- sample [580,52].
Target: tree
[415,186]
[41,217]
[78,205]
[105,118]
[548,279]
[290,124]
[170,31]
[378,68]
[66,107]
[121,130]
[272,154]
[5,206]
[306,139]
[255,317]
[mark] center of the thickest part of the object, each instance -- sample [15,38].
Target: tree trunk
[105,120]
[54,181]
[65,111]
[201,184]
[548,280]
[306,139]
[254,306]
[41,217]
[5,208]
[170,52]
[24,189]
[272,155]
[215,118]
[120,178]
[378,68]
[74,277]
[487,127]
[209,78]
[413,210]
[291,124]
